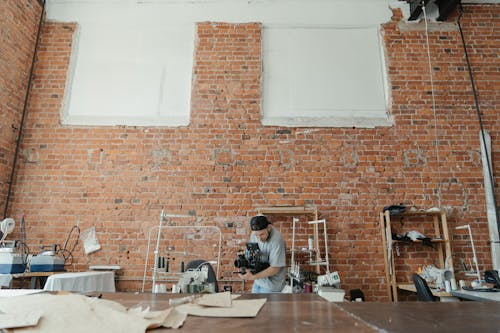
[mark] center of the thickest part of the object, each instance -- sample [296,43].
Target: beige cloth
[239,308]
[81,314]
[23,319]
[223,299]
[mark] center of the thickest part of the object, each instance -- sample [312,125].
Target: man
[272,248]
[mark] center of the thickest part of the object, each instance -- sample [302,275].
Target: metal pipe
[25,106]
[467,226]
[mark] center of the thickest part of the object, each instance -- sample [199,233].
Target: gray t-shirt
[273,252]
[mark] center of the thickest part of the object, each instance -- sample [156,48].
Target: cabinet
[318,227]
[436,228]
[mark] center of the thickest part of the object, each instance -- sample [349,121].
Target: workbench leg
[33,282]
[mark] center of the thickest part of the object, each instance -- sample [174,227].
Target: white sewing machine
[10,260]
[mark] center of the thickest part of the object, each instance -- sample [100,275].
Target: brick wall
[225,163]
[18,28]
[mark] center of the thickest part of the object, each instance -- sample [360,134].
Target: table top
[418,317]
[477,295]
[35,274]
[282,313]
[435,292]
[310,313]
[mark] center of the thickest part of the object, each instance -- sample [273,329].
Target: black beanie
[259,222]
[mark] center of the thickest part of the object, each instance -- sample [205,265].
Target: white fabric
[18,292]
[82,282]
[5,280]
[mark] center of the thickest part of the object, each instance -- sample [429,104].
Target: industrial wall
[225,164]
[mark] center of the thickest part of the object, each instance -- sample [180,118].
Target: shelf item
[440,239]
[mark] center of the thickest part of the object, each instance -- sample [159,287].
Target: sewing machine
[196,281]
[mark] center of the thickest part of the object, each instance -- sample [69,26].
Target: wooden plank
[294,210]
[437,233]
[393,265]
[386,262]
[446,236]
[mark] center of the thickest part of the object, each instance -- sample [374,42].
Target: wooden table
[36,278]
[90,281]
[282,313]
[287,313]
[428,317]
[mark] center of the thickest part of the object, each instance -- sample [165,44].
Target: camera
[251,260]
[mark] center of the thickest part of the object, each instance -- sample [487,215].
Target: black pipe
[26,97]
[490,172]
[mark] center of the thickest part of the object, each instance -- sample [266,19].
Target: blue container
[11,263]
[46,263]
[46,268]
[12,268]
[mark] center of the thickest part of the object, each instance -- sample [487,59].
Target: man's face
[262,235]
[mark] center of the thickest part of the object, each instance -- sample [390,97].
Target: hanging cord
[479,117]
[22,240]
[26,97]
[64,252]
[436,144]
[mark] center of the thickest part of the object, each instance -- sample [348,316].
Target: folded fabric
[223,299]
[21,319]
[239,308]
[5,280]
[84,314]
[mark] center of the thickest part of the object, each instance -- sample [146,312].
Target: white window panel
[324,77]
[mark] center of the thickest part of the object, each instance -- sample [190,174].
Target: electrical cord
[436,144]
[22,240]
[478,111]
[63,251]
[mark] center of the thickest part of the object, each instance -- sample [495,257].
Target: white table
[443,295]
[82,282]
[477,295]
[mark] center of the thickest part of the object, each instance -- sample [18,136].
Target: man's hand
[247,276]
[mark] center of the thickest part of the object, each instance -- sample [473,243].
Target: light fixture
[467,226]
[445,7]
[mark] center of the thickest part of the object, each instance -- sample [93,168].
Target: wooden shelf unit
[440,238]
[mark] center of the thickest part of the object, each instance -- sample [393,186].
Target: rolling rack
[162,227]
